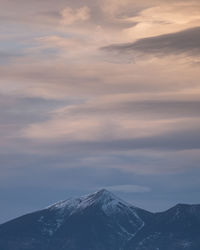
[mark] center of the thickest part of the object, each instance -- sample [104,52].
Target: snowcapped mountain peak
[108,202]
[103,192]
[101,203]
[103,196]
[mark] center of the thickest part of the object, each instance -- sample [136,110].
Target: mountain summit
[103,199]
[102,221]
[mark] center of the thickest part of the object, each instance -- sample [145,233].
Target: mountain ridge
[102,221]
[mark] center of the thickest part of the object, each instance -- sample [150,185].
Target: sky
[99,94]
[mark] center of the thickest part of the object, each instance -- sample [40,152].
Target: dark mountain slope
[95,222]
[176,229]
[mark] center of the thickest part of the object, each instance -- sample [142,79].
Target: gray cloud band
[186,41]
[185,139]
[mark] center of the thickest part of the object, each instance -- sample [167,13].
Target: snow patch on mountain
[111,205]
[107,201]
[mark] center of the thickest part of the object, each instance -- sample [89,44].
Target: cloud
[115,136]
[128,189]
[119,116]
[182,42]
[163,18]
[70,16]
[7,56]
[162,106]
[57,78]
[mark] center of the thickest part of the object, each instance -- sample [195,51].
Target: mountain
[97,221]
[102,221]
[175,229]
